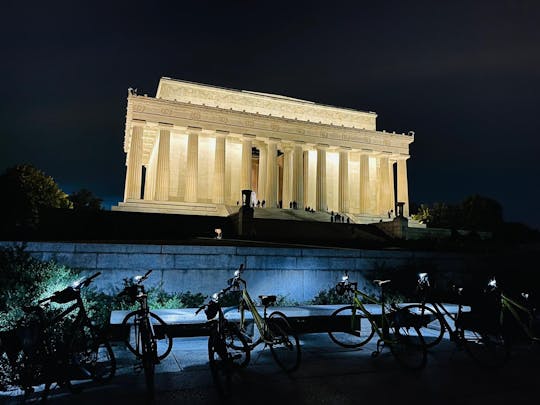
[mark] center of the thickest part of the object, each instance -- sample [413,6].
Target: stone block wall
[296,273]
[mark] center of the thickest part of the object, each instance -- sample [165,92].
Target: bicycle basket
[211,310]
[66,295]
[131,292]
[340,288]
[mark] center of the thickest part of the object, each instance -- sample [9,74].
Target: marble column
[271,175]
[392,185]
[192,169]
[298,177]
[134,165]
[162,168]
[384,204]
[343,185]
[218,196]
[245,182]
[263,167]
[306,177]
[287,176]
[320,192]
[402,184]
[364,184]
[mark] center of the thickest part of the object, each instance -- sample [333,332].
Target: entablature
[179,116]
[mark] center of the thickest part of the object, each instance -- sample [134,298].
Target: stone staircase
[172,207]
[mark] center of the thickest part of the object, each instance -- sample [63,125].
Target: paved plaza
[328,375]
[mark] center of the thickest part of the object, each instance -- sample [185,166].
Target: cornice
[263,104]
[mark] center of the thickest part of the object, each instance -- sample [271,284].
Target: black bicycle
[228,350]
[48,346]
[148,337]
[478,332]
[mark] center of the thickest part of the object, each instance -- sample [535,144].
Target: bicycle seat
[381,282]
[267,300]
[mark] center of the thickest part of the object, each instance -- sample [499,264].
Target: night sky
[465,76]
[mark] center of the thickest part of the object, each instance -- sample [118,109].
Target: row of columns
[295,166]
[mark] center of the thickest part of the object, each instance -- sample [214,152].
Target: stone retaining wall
[296,273]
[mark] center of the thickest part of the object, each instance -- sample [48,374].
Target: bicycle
[142,339]
[228,350]
[518,312]
[274,330]
[478,334]
[41,352]
[395,327]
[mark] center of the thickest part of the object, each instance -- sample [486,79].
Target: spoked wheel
[131,323]
[221,364]
[429,322]
[237,346]
[285,345]
[407,345]
[91,356]
[489,349]
[149,364]
[354,331]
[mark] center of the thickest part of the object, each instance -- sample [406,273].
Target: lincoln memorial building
[193,148]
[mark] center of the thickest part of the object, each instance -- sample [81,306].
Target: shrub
[24,280]
[329,297]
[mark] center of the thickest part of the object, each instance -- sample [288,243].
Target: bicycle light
[77,283]
[422,277]
[492,283]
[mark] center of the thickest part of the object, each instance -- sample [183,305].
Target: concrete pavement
[328,375]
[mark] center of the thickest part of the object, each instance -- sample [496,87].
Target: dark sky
[465,76]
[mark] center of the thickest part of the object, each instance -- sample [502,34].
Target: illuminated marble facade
[193,148]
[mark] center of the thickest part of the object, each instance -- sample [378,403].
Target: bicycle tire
[148,360]
[358,332]
[488,349]
[163,348]
[429,322]
[238,347]
[285,345]
[92,355]
[407,346]
[220,364]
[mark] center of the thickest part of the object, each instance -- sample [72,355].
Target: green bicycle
[354,326]
[274,330]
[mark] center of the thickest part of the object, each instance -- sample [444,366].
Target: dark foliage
[26,192]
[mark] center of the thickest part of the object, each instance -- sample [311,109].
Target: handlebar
[233,282]
[86,282]
[140,279]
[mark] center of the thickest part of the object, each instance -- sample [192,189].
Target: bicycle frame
[514,308]
[382,330]
[260,322]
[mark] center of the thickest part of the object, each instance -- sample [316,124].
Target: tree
[481,213]
[85,200]
[475,213]
[27,191]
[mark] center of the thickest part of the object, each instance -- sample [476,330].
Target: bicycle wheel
[221,365]
[237,346]
[131,323]
[407,345]
[92,356]
[429,322]
[148,360]
[285,345]
[489,349]
[353,331]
